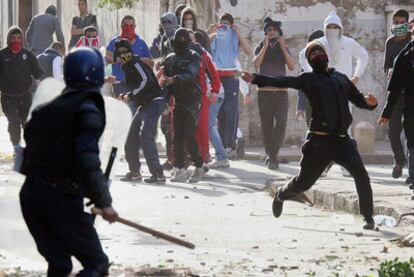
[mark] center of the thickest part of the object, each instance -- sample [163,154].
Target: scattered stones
[255,247]
[384,249]
[186,197]
[170,251]
[342,229]
[359,234]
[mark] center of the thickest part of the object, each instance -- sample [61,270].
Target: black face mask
[180,45]
[319,63]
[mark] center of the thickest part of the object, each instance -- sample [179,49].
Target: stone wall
[363,20]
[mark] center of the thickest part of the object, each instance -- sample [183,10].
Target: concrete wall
[109,20]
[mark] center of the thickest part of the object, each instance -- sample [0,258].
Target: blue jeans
[143,131]
[229,113]
[213,133]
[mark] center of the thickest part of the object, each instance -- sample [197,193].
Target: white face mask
[188,24]
[333,34]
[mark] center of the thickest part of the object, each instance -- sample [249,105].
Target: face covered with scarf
[16,43]
[123,50]
[399,29]
[317,57]
[128,29]
[169,23]
[181,41]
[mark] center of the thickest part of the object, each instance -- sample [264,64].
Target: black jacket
[328,94]
[185,69]
[402,79]
[62,143]
[17,70]
[141,81]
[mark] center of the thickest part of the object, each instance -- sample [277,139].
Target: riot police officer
[62,166]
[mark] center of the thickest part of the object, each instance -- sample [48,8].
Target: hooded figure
[340,49]
[41,29]
[178,12]
[169,24]
[191,23]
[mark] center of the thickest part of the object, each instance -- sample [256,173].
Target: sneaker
[232,154]
[345,172]
[167,165]
[197,175]
[369,223]
[277,206]
[267,160]
[181,176]
[273,165]
[397,171]
[220,164]
[408,181]
[156,179]
[132,177]
[206,168]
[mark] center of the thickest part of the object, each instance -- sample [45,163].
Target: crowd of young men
[194,88]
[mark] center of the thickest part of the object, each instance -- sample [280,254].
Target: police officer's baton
[153,232]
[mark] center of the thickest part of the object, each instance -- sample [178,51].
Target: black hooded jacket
[185,69]
[141,81]
[328,93]
[17,70]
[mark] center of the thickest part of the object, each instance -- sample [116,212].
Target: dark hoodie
[189,10]
[16,70]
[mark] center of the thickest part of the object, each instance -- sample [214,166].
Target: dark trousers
[143,132]
[185,125]
[119,88]
[409,133]
[394,132]
[318,153]
[228,117]
[273,108]
[62,229]
[16,110]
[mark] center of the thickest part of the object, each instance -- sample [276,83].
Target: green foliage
[396,268]
[117,4]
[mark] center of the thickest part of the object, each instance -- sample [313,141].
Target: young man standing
[402,80]
[395,43]
[226,40]
[139,47]
[328,92]
[17,68]
[272,56]
[51,61]
[145,94]
[182,80]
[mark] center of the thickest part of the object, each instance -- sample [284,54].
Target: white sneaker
[220,164]
[181,176]
[345,172]
[197,175]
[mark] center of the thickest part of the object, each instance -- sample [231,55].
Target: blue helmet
[84,68]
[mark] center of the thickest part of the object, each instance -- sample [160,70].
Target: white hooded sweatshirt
[340,51]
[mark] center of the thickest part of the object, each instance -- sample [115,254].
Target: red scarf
[16,46]
[128,32]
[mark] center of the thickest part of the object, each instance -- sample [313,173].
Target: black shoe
[267,160]
[408,181]
[277,207]
[273,165]
[369,223]
[240,148]
[167,165]
[411,187]
[206,168]
[397,171]
[132,177]
[156,179]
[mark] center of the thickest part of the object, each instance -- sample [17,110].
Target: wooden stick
[145,229]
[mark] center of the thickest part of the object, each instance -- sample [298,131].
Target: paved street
[229,219]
